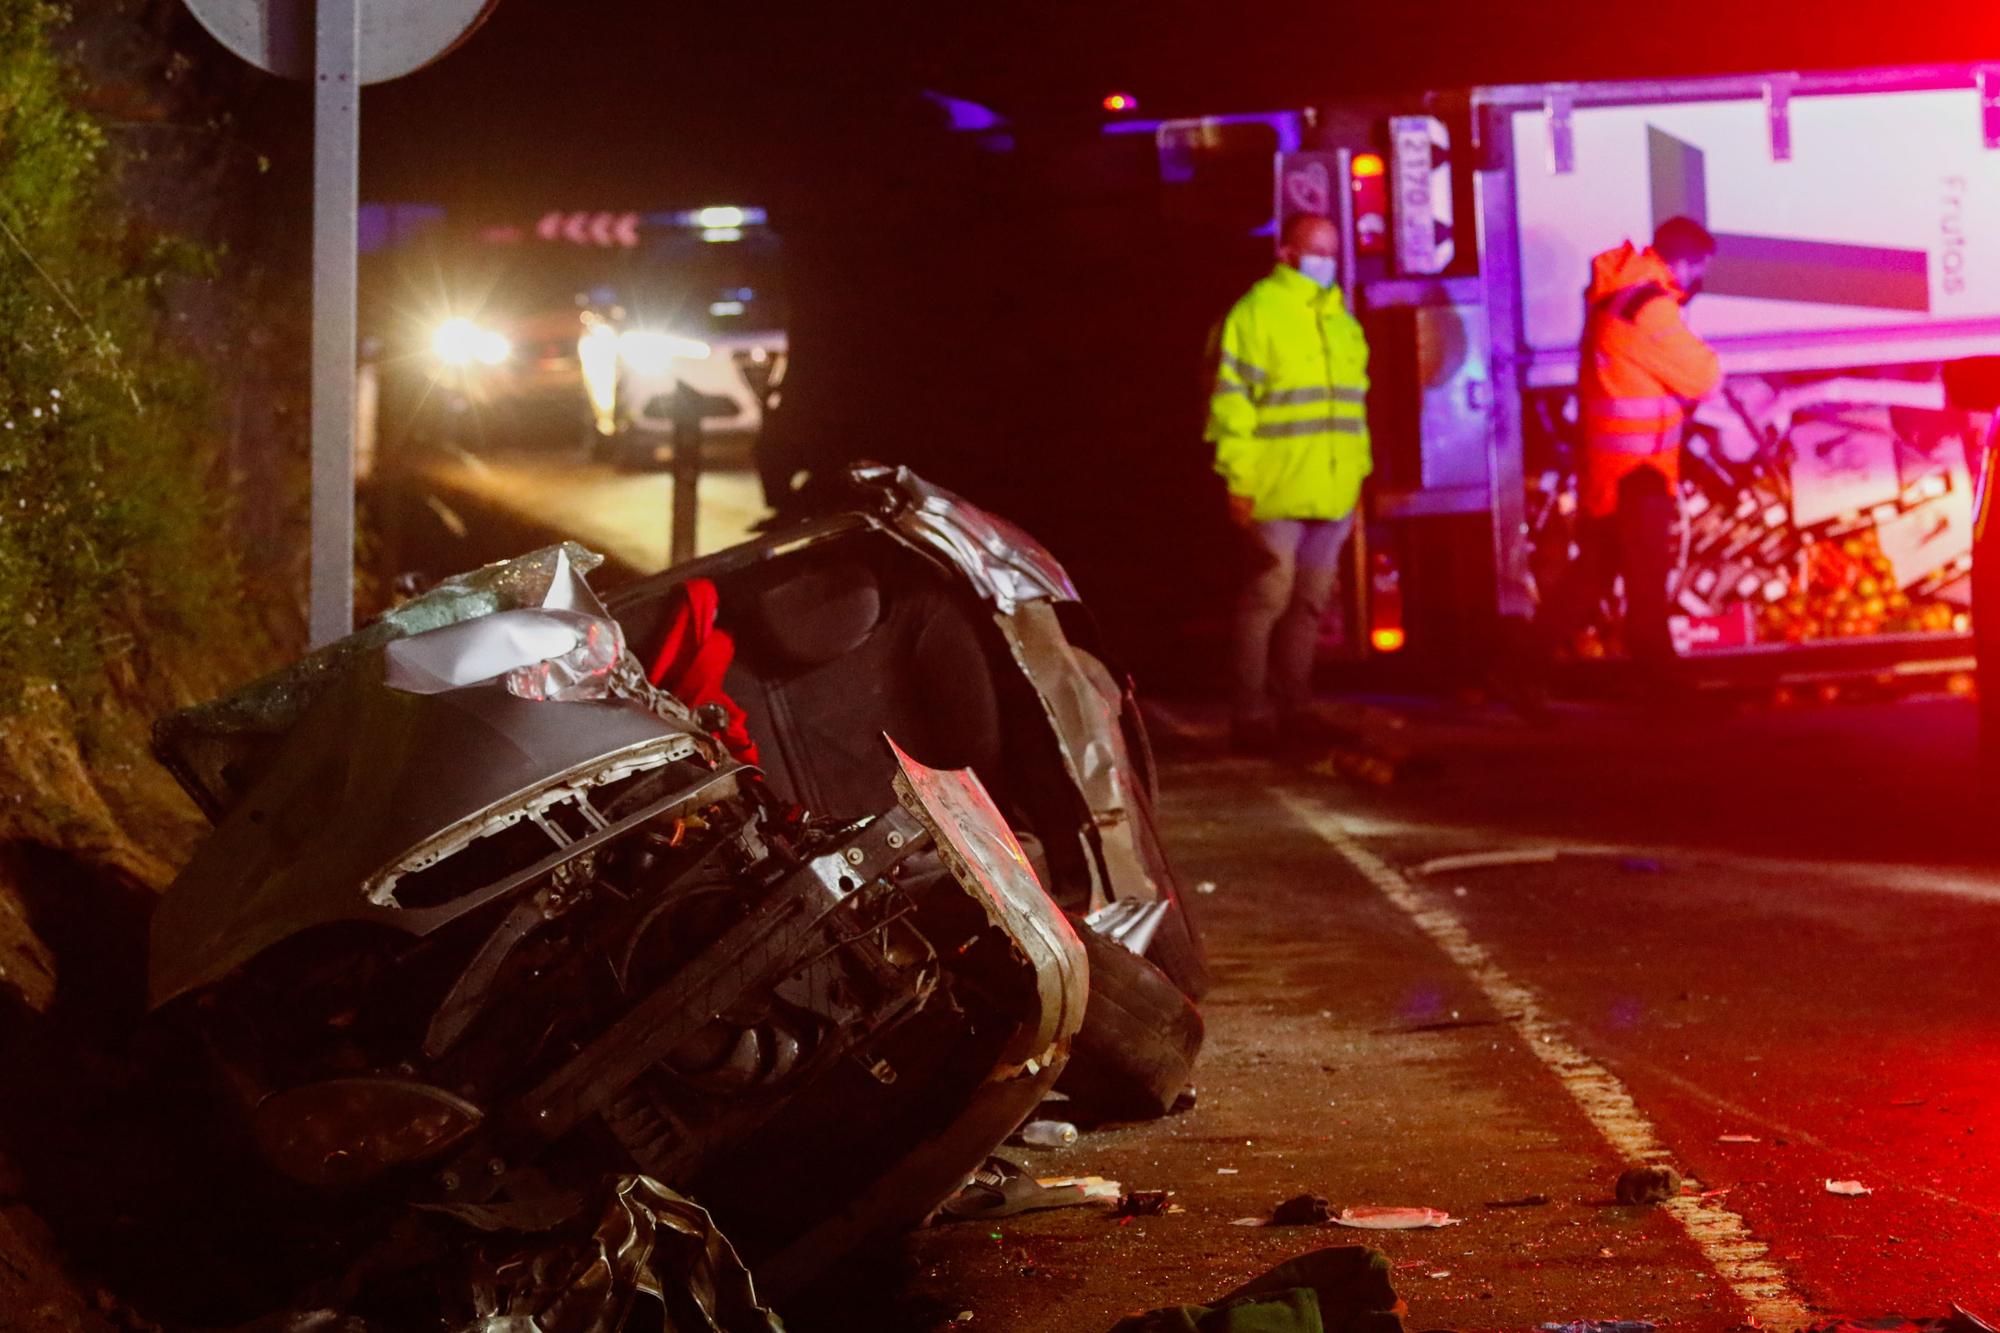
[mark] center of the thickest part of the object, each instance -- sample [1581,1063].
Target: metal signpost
[340,45]
[336,205]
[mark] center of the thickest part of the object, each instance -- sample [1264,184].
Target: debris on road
[1525,1201]
[1600,1326]
[1205,887]
[1302,1210]
[1356,766]
[1147,1203]
[1524,856]
[1737,1138]
[1047,1134]
[1373,1218]
[642,1238]
[1002,1188]
[1095,1189]
[557,1262]
[1449,1025]
[1345,1289]
[1849,1188]
[1648,1185]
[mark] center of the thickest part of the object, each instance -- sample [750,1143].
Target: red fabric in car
[693,657]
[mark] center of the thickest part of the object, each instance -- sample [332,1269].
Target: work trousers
[1634,540]
[1279,616]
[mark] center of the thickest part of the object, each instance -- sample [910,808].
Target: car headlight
[459,342]
[345,1131]
[650,352]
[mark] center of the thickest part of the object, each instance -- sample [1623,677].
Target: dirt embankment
[92,829]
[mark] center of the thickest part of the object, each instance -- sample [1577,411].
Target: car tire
[1140,1035]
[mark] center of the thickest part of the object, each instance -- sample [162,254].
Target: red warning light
[1121,102]
[1371,204]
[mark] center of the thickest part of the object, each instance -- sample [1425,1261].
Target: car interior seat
[835,653]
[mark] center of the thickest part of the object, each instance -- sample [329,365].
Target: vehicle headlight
[345,1131]
[650,352]
[460,342]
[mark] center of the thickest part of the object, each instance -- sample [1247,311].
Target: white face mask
[1322,269]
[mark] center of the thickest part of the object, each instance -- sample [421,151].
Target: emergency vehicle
[573,326]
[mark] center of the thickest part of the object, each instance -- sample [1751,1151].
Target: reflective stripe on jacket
[1289,416]
[1640,365]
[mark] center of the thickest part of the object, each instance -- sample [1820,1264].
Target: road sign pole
[401,36]
[687,487]
[336,199]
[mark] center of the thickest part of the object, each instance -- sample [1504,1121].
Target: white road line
[1738,1257]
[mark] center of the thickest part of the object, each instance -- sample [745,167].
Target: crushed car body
[459,938]
[968,630]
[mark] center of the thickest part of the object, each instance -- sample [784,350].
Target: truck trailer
[1829,491]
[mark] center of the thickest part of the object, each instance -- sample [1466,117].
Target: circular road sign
[397,36]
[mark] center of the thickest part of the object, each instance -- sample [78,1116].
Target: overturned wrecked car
[493,913]
[914,614]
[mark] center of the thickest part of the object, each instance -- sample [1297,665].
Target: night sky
[645,101]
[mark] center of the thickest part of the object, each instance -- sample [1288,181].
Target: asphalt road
[1760,948]
[1774,928]
[1791,939]
[453,498]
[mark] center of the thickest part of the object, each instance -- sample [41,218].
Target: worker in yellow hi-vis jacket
[1289,422]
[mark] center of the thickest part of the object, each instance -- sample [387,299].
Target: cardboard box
[1843,463]
[1921,541]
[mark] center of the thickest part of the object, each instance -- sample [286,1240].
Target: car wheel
[1140,1036]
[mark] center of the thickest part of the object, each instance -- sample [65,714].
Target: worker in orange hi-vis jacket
[1639,371]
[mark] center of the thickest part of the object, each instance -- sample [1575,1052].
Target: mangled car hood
[364,780]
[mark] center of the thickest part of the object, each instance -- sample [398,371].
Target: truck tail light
[1385,602]
[1370,183]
